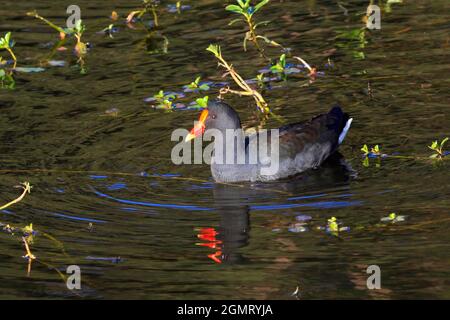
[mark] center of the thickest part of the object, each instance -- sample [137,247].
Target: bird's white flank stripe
[345,130]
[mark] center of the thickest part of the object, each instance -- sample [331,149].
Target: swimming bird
[289,150]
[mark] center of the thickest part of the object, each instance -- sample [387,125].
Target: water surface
[162,231]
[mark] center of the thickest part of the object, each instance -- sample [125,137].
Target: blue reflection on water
[151,204]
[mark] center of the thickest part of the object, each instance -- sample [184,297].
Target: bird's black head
[218,116]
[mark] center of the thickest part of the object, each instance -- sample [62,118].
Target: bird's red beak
[199,127]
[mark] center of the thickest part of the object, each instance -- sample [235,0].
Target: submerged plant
[7,80]
[246,89]
[245,9]
[7,44]
[438,148]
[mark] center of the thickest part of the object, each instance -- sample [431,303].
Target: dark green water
[116,172]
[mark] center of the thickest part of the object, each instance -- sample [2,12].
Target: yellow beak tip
[189,137]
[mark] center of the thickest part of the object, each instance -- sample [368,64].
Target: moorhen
[302,146]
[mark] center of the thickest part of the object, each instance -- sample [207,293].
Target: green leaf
[7,37]
[234,8]
[215,49]
[202,102]
[261,4]
[241,3]
[204,87]
[443,142]
[365,149]
[433,156]
[434,145]
[283,60]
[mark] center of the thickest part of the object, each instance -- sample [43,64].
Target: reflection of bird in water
[233,203]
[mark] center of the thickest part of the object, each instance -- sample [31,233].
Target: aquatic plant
[280,65]
[26,190]
[147,6]
[63,32]
[374,151]
[245,9]
[164,100]
[438,148]
[7,80]
[28,231]
[334,226]
[7,44]
[197,86]
[202,102]
[393,218]
[109,30]
[246,89]
[80,46]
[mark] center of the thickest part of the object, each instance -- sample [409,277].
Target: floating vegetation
[334,227]
[246,89]
[28,231]
[7,44]
[80,49]
[147,6]
[280,65]
[196,86]
[109,30]
[438,148]
[373,153]
[393,218]
[164,100]
[201,103]
[245,9]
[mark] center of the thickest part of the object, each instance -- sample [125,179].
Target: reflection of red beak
[199,128]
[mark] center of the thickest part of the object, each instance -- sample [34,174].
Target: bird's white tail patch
[345,130]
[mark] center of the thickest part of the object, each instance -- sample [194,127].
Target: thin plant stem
[26,189]
[13,57]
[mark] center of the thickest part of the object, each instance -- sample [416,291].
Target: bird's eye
[213,116]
